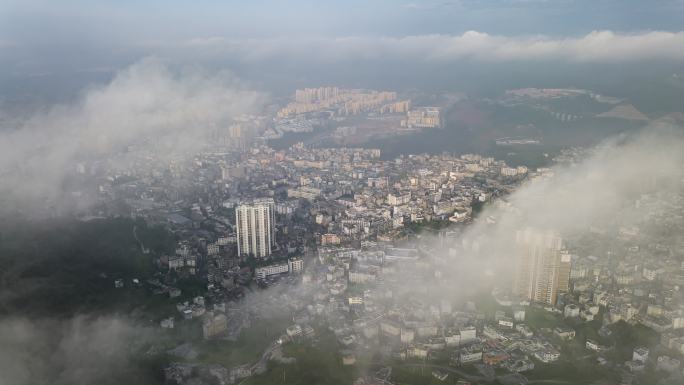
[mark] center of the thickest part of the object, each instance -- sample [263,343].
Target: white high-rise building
[255,222]
[542,266]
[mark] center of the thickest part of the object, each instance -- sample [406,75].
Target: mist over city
[362,192]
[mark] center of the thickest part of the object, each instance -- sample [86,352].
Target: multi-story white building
[213,249]
[468,334]
[255,223]
[640,353]
[263,272]
[330,239]
[513,171]
[470,354]
[361,277]
[304,192]
[398,199]
[423,117]
[651,273]
[295,265]
[214,325]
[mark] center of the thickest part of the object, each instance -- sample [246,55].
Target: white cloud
[597,46]
[429,6]
[599,191]
[146,100]
[76,351]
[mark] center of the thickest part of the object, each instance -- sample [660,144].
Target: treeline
[63,265]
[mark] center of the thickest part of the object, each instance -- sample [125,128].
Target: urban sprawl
[376,255]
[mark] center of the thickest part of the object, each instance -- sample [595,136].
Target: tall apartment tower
[542,266]
[255,222]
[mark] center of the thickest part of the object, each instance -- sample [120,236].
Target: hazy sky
[130,21]
[84,38]
[37,36]
[125,23]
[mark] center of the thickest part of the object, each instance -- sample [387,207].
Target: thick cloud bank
[628,182]
[78,351]
[146,102]
[598,193]
[597,46]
